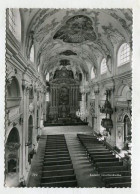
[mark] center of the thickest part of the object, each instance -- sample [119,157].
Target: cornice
[127,75]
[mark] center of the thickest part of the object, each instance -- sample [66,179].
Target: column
[97,111]
[113,117]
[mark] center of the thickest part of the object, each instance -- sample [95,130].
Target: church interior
[68,98]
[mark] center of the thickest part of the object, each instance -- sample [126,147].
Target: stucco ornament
[31,107]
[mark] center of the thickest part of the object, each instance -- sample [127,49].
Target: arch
[123,55]
[12,151]
[123,92]
[30,130]
[12,165]
[13,136]
[13,93]
[92,73]
[37,118]
[48,76]
[103,69]
[80,77]
[127,127]
[15,23]
[13,89]
[31,57]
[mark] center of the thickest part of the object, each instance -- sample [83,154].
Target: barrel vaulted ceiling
[81,36]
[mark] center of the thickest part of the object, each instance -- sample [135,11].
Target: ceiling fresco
[76,30]
[81,36]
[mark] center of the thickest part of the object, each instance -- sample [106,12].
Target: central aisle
[84,170]
[85,174]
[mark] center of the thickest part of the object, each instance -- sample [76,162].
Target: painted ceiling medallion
[68,53]
[76,30]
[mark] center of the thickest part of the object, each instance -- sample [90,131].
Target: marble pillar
[97,112]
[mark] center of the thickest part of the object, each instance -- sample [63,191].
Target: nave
[77,159]
[68,72]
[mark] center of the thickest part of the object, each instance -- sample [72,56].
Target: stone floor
[66,130]
[84,170]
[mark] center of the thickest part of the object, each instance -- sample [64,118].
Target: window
[32,53]
[15,23]
[124,54]
[92,73]
[48,77]
[103,66]
[38,68]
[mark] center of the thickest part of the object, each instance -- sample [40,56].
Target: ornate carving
[92,108]
[12,156]
[31,107]
[12,146]
[63,73]
[112,34]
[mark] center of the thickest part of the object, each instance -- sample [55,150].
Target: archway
[13,93]
[30,138]
[30,131]
[127,131]
[12,157]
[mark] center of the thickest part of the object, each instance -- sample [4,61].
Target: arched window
[32,53]
[15,23]
[13,93]
[92,73]
[123,54]
[47,77]
[38,68]
[80,77]
[103,66]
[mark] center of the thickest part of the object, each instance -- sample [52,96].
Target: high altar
[64,94]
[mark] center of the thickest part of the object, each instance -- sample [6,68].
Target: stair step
[122,173]
[106,160]
[64,162]
[56,149]
[111,169]
[58,172]
[101,153]
[60,184]
[58,178]
[120,185]
[58,167]
[55,152]
[95,147]
[122,179]
[56,159]
[106,164]
[56,146]
[102,156]
[56,155]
